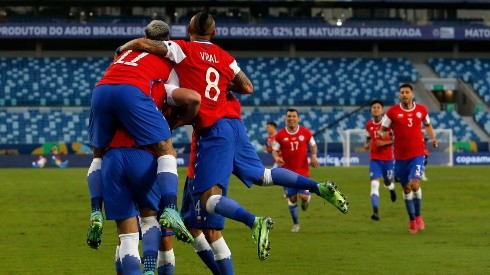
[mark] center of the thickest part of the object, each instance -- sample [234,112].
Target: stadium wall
[333,159]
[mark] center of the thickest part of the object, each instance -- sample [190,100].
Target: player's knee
[212,235]
[375,187]
[266,179]
[212,202]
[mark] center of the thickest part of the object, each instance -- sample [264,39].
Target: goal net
[354,153]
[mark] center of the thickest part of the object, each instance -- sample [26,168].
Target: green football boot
[329,192]
[260,233]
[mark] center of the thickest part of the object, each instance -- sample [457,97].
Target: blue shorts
[413,168]
[196,216]
[293,191]
[223,149]
[128,182]
[115,106]
[381,168]
[186,206]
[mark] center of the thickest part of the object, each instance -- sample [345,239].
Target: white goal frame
[345,136]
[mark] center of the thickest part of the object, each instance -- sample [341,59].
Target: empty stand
[471,70]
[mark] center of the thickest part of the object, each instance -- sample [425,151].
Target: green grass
[44,218]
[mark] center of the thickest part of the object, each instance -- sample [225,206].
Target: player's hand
[435,143]
[280,162]
[314,161]
[381,134]
[367,147]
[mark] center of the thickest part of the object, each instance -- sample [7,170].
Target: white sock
[390,187]
[220,249]
[165,258]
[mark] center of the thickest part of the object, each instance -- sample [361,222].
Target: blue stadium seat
[474,71]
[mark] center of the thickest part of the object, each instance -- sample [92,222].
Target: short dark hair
[376,101]
[292,110]
[271,123]
[406,85]
[202,23]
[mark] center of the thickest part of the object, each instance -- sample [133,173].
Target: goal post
[354,153]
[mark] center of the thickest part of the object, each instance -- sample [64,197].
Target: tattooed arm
[145,45]
[241,84]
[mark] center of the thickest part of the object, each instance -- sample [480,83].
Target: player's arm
[430,131]
[382,143]
[367,141]
[276,147]
[313,152]
[144,45]
[241,84]
[190,100]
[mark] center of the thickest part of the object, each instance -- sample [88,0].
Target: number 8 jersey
[207,69]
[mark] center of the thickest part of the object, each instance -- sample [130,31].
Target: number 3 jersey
[407,130]
[207,69]
[294,149]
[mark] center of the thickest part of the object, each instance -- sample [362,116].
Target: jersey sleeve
[234,67]
[169,88]
[386,121]
[174,52]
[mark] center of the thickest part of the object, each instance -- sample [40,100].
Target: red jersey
[192,156]
[122,138]
[294,149]
[381,153]
[138,69]
[270,142]
[207,69]
[406,125]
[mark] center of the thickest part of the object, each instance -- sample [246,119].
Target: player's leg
[101,131]
[293,208]
[305,197]
[215,161]
[166,256]
[211,225]
[415,178]
[94,181]
[117,262]
[140,117]
[204,250]
[150,239]
[388,177]
[250,170]
[402,171]
[128,249]
[375,174]
[200,244]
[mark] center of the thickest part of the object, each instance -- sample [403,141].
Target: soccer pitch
[45,218]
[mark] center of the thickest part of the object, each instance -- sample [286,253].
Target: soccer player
[271,128]
[405,120]
[130,182]
[223,146]
[290,151]
[123,97]
[381,157]
[187,212]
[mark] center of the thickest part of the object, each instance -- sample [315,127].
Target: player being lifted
[381,157]
[223,145]
[405,120]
